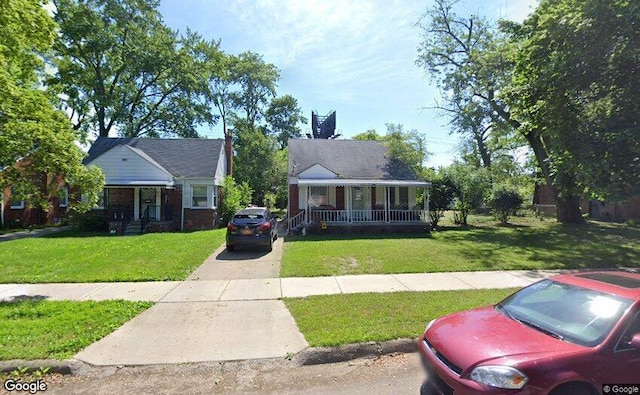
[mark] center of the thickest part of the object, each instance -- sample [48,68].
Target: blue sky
[354,57]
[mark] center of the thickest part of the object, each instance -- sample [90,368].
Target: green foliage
[235,197]
[257,85]
[283,117]
[504,202]
[471,186]
[35,138]
[406,147]
[259,163]
[91,221]
[370,134]
[119,67]
[441,196]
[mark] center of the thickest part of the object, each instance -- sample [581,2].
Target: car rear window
[248,216]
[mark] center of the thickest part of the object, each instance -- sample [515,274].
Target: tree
[257,85]
[120,68]
[406,147]
[576,83]
[257,162]
[504,202]
[370,134]
[35,138]
[441,196]
[283,117]
[235,197]
[471,185]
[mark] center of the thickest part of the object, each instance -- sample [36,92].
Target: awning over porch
[355,182]
[139,183]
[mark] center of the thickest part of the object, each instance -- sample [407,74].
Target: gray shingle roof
[355,159]
[189,158]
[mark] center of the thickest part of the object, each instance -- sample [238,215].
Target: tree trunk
[569,210]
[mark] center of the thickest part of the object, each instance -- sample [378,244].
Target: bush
[504,202]
[234,198]
[13,224]
[90,221]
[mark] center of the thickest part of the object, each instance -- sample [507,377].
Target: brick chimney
[228,150]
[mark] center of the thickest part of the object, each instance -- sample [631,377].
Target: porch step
[133,228]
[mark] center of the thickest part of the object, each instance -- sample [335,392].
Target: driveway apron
[210,318]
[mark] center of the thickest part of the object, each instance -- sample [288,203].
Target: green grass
[527,244]
[82,257]
[332,320]
[57,330]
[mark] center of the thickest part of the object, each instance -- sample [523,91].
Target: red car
[571,334]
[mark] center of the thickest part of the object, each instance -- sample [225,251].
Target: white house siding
[122,165]
[221,169]
[302,197]
[317,172]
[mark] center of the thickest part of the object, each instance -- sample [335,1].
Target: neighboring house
[161,184]
[353,184]
[13,210]
[544,202]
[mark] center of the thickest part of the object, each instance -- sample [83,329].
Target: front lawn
[58,330]
[528,244]
[331,320]
[81,257]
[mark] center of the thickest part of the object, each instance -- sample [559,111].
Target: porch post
[136,203]
[306,206]
[158,203]
[387,204]
[347,198]
[425,215]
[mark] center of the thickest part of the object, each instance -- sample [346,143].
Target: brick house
[161,184]
[17,210]
[347,185]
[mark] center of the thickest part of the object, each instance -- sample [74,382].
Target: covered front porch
[138,208]
[352,203]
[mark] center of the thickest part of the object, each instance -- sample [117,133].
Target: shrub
[504,202]
[90,221]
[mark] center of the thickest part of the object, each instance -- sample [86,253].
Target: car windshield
[579,315]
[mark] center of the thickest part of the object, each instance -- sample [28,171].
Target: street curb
[347,352]
[65,367]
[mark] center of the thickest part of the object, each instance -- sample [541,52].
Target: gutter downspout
[182,206]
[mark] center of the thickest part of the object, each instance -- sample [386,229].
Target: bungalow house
[160,184]
[353,185]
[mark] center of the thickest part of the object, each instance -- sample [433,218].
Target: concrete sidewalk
[239,289]
[22,234]
[229,308]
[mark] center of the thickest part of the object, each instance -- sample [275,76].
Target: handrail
[296,220]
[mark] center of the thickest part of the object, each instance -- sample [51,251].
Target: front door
[360,201]
[148,199]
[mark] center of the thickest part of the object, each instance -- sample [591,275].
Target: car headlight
[499,376]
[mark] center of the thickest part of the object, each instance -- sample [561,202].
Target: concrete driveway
[185,327]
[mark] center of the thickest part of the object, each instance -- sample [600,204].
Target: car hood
[485,336]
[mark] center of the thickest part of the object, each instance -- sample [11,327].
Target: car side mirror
[635,341]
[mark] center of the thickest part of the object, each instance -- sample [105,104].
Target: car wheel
[231,248]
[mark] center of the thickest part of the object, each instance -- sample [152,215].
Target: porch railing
[296,220]
[159,212]
[345,216]
[145,218]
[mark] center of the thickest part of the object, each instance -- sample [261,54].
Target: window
[198,196]
[318,196]
[632,330]
[403,193]
[64,197]
[16,204]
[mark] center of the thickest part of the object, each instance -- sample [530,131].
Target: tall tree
[283,118]
[120,68]
[576,81]
[256,81]
[475,63]
[35,138]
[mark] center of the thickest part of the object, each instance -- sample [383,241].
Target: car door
[624,365]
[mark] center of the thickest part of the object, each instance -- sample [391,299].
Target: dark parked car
[254,226]
[571,334]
